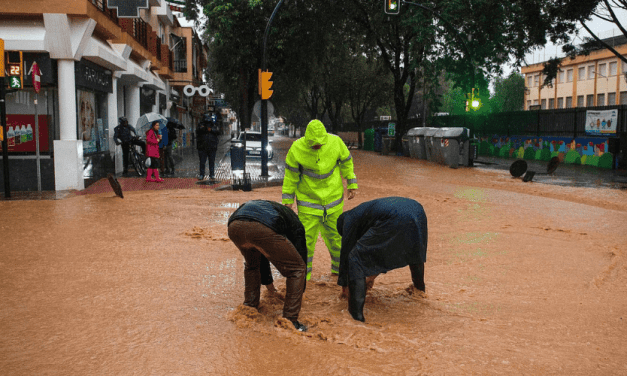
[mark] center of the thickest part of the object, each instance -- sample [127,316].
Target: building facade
[96,67]
[586,81]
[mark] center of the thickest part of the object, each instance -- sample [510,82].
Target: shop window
[611,99]
[93,127]
[580,100]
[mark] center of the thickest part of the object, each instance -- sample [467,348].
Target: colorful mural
[581,150]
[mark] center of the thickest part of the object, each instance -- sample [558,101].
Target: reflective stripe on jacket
[314,177]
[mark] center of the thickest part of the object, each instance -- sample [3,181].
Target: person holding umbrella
[153,137]
[207,136]
[173,126]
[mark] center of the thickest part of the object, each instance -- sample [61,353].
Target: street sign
[391,129]
[36,77]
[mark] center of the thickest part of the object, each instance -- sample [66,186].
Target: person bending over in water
[266,231]
[379,236]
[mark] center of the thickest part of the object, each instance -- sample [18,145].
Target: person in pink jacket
[153,136]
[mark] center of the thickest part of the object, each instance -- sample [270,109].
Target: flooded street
[521,278]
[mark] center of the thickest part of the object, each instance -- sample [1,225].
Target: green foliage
[606,160]
[496,151]
[520,153]
[509,93]
[484,148]
[545,154]
[573,157]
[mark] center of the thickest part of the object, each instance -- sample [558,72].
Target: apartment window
[591,72]
[603,70]
[529,80]
[569,75]
[623,97]
[613,67]
[543,104]
[624,68]
[590,100]
[551,103]
[536,80]
[569,102]
[580,100]
[535,102]
[528,104]
[581,74]
[611,99]
[560,102]
[600,99]
[561,77]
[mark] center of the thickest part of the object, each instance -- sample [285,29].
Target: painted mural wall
[581,150]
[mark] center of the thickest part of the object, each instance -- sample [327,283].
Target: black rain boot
[357,299]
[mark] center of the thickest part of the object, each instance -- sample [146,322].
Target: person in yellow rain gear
[314,167]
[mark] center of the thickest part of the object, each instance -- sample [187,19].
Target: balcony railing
[102,6]
[180,66]
[137,28]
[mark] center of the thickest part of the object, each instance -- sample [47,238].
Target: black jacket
[207,139]
[277,217]
[384,234]
[124,133]
[171,134]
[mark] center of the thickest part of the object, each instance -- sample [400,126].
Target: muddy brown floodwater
[522,279]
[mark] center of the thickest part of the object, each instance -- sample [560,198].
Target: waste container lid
[518,168]
[431,131]
[418,131]
[456,132]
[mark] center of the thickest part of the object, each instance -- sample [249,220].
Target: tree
[509,93]
[579,12]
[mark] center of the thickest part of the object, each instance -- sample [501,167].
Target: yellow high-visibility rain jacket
[314,177]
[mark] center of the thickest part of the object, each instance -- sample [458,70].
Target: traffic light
[472,101]
[15,69]
[392,6]
[265,84]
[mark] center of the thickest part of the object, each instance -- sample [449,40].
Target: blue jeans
[204,155]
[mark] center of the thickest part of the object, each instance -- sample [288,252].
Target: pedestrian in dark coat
[208,137]
[379,236]
[266,231]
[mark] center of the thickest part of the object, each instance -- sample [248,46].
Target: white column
[67,100]
[68,151]
[132,104]
[112,115]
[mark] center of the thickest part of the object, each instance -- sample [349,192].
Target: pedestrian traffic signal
[392,6]
[14,67]
[265,84]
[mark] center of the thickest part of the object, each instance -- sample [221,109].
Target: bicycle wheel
[138,162]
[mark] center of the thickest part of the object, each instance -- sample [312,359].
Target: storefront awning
[102,54]
[134,74]
[23,35]
[155,83]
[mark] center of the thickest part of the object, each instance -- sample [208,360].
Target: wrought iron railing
[102,6]
[180,66]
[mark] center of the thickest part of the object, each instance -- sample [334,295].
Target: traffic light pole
[264,102]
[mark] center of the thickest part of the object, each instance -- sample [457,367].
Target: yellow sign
[1,57]
[1,134]
[265,84]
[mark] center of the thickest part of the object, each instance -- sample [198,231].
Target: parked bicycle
[137,158]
